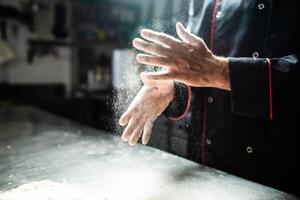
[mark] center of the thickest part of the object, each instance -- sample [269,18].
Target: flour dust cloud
[126,77]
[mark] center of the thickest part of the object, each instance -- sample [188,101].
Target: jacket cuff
[180,105]
[250,81]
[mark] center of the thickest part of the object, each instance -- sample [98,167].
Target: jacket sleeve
[180,105]
[257,82]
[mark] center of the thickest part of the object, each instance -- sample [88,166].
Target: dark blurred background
[65,56]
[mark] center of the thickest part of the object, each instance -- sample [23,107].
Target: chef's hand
[187,60]
[149,103]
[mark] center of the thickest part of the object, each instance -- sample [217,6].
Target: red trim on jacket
[270,90]
[204,125]
[187,109]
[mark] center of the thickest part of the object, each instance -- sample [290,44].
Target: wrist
[222,73]
[162,88]
[171,91]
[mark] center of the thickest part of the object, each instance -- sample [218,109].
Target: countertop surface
[36,146]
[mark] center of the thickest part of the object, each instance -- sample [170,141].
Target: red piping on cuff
[270,90]
[187,109]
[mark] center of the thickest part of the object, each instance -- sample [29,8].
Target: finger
[148,82]
[136,134]
[154,60]
[186,36]
[155,79]
[147,132]
[129,130]
[124,119]
[155,84]
[151,48]
[160,38]
[155,76]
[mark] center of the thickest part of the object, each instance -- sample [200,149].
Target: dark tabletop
[37,146]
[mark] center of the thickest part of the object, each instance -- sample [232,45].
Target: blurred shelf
[49,42]
[107,44]
[14,13]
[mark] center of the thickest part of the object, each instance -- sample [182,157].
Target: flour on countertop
[48,190]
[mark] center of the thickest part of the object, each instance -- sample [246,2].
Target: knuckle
[160,35]
[159,49]
[134,110]
[163,61]
[185,46]
[164,38]
[200,39]
[155,47]
[147,45]
[166,75]
[173,74]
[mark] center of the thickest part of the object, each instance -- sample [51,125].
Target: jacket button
[210,99]
[218,15]
[261,6]
[249,149]
[208,141]
[255,54]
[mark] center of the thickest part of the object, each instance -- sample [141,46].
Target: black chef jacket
[253,130]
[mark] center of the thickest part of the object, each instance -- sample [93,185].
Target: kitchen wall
[51,68]
[45,69]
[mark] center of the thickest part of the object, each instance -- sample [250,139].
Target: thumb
[146,81]
[186,36]
[153,77]
[149,82]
